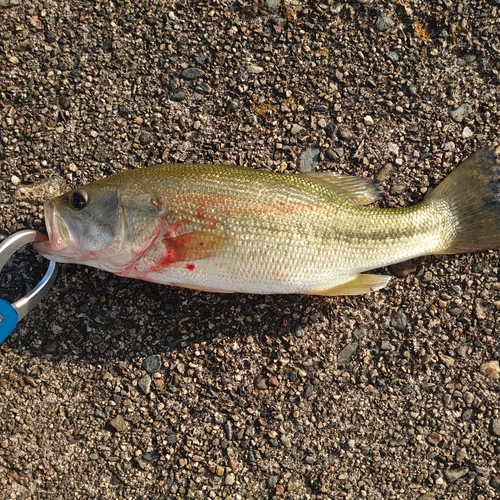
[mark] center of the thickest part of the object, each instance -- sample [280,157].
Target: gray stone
[347,352]
[118,423]
[384,23]
[145,384]
[495,483]
[172,438]
[495,426]
[179,96]
[467,415]
[386,346]
[295,129]
[458,114]
[309,159]
[393,56]
[399,321]
[152,363]
[192,73]
[467,133]
[453,475]
[273,5]
[9,3]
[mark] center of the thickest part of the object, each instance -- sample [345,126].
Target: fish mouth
[59,238]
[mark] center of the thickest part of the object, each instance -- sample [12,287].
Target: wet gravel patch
[114,388]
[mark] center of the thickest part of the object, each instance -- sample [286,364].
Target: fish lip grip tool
[10,314]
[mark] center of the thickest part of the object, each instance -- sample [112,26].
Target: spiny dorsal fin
[357,189]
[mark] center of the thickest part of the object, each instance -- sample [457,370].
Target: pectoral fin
[357,189]
[361,283]
[194,246]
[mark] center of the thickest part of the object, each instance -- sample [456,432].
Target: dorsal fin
[357,189]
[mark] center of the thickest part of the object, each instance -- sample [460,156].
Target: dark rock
[192,73]
[152,363]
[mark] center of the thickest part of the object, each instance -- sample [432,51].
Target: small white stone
[393,148]
[368,120]
[93,133]
[295,129]
[15,180]
[254,69]
[13,60]
[322,123]
[467,133]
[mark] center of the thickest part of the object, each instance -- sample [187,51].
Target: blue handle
[8,319]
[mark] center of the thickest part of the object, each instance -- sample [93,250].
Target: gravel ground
[115,388]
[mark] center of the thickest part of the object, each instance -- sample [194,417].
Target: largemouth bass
[221,228]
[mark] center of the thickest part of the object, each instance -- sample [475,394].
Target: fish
[225,229]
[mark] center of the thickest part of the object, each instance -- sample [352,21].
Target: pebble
[13,60]
[479,309]
[393,148]
[399,320]
[334,154]
[446,360]
[434,438]
[458,114]
[309,159]
[385,172]
[273,4]
[285,440]
[495,427]
[118,423]
[368,120]
[453,475]
[467,415]
[490,369]
[295,129]
[387,346]
[393,56]
[230,479]
[345,355]
[9,3]
[15,180]
[145,384]
[179,96]
[384,23]
[467,133]
[402,269]
[261,383]
[495,482]
[172,438]
[192,73]
[322,123]
[254,69]
[152,363]
[461,454]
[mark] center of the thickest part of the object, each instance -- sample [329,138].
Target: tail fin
[472,194]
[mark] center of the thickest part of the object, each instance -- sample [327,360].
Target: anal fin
[361,283]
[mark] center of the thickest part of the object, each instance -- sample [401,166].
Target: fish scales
[261,221]
[235,229]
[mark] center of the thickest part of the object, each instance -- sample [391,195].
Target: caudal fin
[472,195]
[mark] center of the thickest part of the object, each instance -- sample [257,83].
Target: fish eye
[78,199]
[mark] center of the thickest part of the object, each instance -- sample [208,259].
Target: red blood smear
[190,267]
